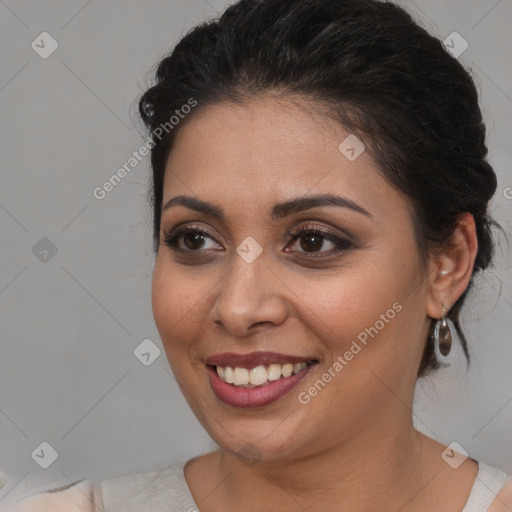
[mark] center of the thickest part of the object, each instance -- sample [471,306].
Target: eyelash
[172,239]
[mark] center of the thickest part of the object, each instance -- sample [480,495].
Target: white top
[166,490]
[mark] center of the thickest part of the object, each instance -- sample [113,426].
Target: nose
[250,297]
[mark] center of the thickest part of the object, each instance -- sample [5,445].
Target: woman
[320,194]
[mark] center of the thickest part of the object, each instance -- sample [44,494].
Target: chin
[253,439]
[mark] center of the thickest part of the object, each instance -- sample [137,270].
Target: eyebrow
[279,210]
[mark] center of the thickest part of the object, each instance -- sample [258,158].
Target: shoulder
[162,490]
[84,496]
[492,491]
[155,490]
[503,500]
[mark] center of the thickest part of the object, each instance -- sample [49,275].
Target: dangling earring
[442,337]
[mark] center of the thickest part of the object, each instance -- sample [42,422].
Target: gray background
[69,325]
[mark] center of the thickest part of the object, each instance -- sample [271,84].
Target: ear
[452,269]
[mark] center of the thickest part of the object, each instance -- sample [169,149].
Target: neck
[358,474]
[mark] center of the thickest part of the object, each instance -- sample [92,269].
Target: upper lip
[253,359]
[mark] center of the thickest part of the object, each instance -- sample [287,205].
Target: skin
[353,446]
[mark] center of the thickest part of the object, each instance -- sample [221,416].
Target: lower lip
[238,396]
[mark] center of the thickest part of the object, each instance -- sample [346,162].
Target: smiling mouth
[259,376]
[256,379]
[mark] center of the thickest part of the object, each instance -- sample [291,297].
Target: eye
[312,238]
[194,239]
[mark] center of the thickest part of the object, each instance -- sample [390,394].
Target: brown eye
[194,239]
[311,240]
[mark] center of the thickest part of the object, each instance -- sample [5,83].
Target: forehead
[274,131]
[270,149]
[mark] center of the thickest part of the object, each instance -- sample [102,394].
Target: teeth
[229,375]
[258,376]
[274,372]
[298,367]
[241,376]
[287,370]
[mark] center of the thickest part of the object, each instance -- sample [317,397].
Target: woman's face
[247,292]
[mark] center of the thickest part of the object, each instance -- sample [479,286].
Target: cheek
[172,301]
[180,310]
[346,303]
[365,315]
